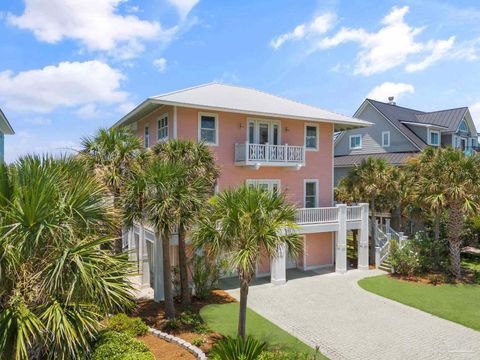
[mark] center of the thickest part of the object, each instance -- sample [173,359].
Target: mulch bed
[163,350]
[154,315]
[468,277]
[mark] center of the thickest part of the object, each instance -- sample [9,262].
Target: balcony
[330,218]
[258,155]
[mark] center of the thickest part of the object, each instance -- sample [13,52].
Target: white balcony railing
[354,213]
[273,155]
[317,215]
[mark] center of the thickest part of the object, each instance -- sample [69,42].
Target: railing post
[267,152]
[377,257]
[247,151]
[387,224]
[341,249]
[286,152]
[363,245]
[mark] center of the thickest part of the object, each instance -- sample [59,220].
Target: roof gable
[5,126]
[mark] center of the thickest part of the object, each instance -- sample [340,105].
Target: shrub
[433,255]
[206,273]
[199,341]
[189,319]
[404,260]
[234,349]
[171,325]
[114,345]
[133,326]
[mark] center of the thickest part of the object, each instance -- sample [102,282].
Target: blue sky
[68,67]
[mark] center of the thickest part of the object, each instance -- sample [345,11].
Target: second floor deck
[248,154]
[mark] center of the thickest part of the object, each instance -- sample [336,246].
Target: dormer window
[434,138]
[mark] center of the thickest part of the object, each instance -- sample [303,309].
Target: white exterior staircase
[383,236]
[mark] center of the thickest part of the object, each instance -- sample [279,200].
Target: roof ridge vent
[391,100]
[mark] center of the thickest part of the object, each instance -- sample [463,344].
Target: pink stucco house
[263,140]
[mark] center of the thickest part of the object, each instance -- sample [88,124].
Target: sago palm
[198,161]
[240,223]
[56,282]
[111,153]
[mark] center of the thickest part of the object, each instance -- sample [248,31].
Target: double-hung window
[311,193]
[434,138]
[146,136]
[355,142]
[162,128]
[385,138]
[311,137]
[208,128]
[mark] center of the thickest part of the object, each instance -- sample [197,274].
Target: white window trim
[388,137]
[146,139]
[350,142]
[158,127]
[270,182]
[305,181]
[305,136]
[429,137]
[256,122]
[214,115]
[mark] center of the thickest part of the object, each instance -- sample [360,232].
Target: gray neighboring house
[5,129]
[399,133]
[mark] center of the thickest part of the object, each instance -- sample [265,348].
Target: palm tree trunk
[455,224]
[437,224]
[182,262]
[167,276]
[242,315]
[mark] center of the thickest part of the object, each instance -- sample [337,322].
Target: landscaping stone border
[199,354]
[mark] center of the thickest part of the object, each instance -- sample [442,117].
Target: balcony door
[264,132]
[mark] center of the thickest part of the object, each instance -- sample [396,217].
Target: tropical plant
[237,348]
[114,345]
[206,272]
[153,195]
[239,224]
[404,261]
[110,154]
[56,280]
[198,161]
[449,181]
[373,181]
[133,326]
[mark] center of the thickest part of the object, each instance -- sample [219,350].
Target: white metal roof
[229,98]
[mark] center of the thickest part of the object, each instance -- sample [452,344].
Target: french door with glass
[263,132]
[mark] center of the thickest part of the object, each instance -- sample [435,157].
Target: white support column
[131,244]
[341,249]
[144,264]
[158,293]
[363,245]
[278,270]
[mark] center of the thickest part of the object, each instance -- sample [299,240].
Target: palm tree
[447,179]
[198,161]
[56,281]
[373,181]
[153,196]
[239,223]
[110,154]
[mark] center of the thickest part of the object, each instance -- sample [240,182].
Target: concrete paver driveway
[346,322]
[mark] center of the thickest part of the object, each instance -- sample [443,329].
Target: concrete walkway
[346,322]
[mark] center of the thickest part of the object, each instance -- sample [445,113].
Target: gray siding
[420,131]
[339,173]
[372,136]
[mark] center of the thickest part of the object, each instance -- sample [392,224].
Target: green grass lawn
[223,318]
[458,303]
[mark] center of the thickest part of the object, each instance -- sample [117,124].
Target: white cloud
[88,111]
[475,111]
[383,91]
[160,64]
[390,46]
[318,26]
[95,23]
[439,49]
[183,6]
[25,142]
[126,107]
[66,84]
